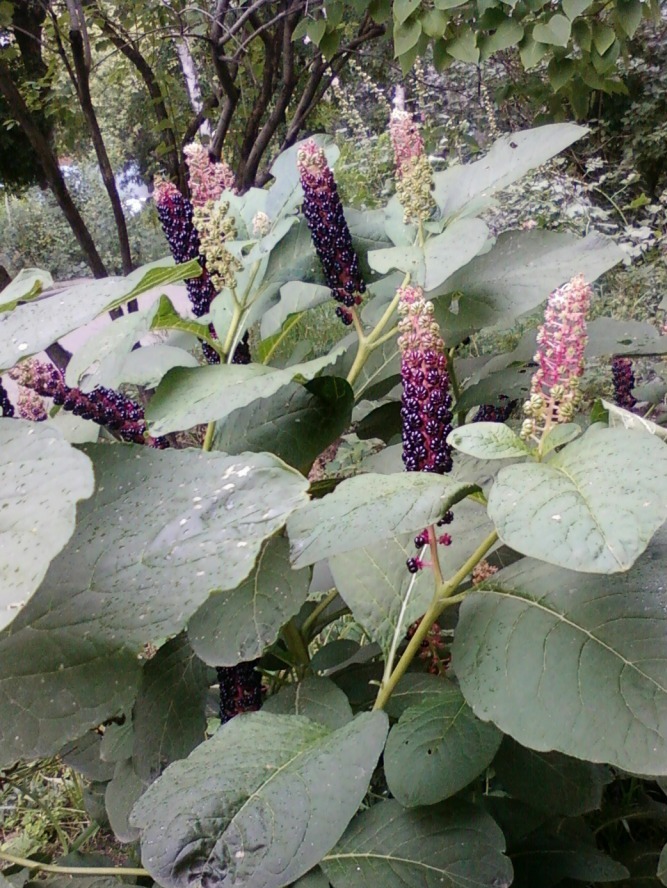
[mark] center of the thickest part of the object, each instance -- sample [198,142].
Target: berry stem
[435,559]
[208,438]
[444,597]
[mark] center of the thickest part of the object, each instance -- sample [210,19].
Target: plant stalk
[444,597]
[73,870]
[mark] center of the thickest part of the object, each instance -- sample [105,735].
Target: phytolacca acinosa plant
[108,408]
[426,414]
[328,228]
[414,175]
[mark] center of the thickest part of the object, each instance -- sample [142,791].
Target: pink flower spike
[208,179]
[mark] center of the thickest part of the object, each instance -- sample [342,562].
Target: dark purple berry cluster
[624,382]
[103,406]
[6,405]
[426,412]
[496,412]
[175,212]
[240,689]
[323,211]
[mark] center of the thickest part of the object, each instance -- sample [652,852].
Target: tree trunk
[82,85]
[52,172]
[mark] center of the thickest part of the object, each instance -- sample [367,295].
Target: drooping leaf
[169,713]
[370,508]
[186,398]
[260,803]
[550,655]
[84,755]
[119,798]
[550,781]
[177,523]
[465,190]
[488,440]
[42,478]
[235,626]
[26,286]
[448,846]
[523,267]
[33,327]
[437,748]
[593,507]
[296,423]
[318,699]
[662,866]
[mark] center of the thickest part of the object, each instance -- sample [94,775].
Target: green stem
[295,643]
[360,359]
[456,388]
[231,331]
[330,618]
[279,339]
[73,870]
[387,336]
[311,619]
[374,338]
[91,830]
[208,438]
[444,597]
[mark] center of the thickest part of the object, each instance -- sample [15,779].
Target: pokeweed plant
[506,579]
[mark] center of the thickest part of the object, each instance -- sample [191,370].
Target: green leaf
[617,417]
[167,318]
[550,781]
[560,72]
[531,52]
[409,260]
[488,440]
[437,748]
[69,660]
[593,507]
[550,654]
[406,37]
[318,699]
[574,8]
[434,22]
[448,4]
[236,625]
[456,246]
[119,797]
[295,296]
[84,755]
[367,509]
[169,713]
[629,15]
[188,397]
[316,29]
[377,587]
[335,655]
[464,46]
[315,878]
[445,847]
[523,267]
[381,371]
[278,792]
[603,37]
[403,9]
[466,190]
[42,478]
[555,32]
[26,286]
[559,435]
[508,33]
[296,423]
[546,859]
[662,866]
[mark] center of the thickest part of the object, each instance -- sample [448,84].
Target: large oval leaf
[593,507]
[260,803]
[436,847]
[162,530]
[369,508]
[572,662]
[237,625]
[437,748]
[42,478]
